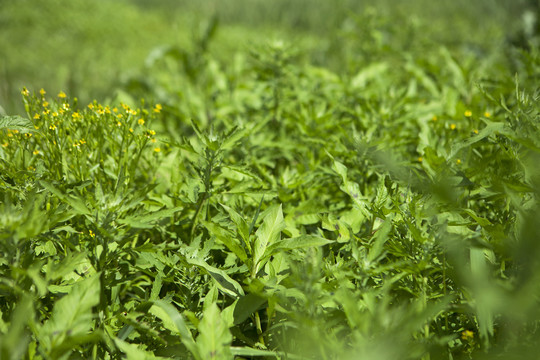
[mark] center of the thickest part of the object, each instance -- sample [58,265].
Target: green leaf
[16,122]
[72,314]
[133,352]
[227,238]
[245,306]
[147,221]
[245,351]
[241,225]
[224,281]
[380,238]
[214,338]
[174,321]
[268,233]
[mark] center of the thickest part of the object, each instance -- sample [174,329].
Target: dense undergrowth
[267,206]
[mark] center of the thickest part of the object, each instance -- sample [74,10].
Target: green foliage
[269,206]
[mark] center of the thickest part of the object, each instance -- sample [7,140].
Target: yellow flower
[65,106]
[76,116]
[434,118]
[91,233]
[36,152]
[91,106]
[420,159]
[36,117]
[25,91]
[468,113]
[458,161]
[158,108]
[153,141]
[467,334]
[82,141]
[52,127]
[62,95]
[452,126]
[42,92]
[45,104]
[475,131]
[140,121]
[130,130]
[5,144]
[156,149]
[119,124]
[152,132]
[54,114]
[115,109]
[28,135]
[487,114]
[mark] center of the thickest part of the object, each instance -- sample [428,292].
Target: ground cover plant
[271,205]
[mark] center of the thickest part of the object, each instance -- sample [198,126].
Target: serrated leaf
[227,238]
[174,321]
[214,338]
[147,221]
[224,281]
[380,238]
[16,122]
[133,352]
[268,233]
[72,314]
[241,225]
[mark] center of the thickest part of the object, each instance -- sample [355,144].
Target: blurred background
[93,49]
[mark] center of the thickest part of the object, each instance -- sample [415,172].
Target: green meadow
[251,179]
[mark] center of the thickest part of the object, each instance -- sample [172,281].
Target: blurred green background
[91,48]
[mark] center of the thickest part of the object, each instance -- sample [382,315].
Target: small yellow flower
[475,131]
[45,104]
[468,113]
[458,161]
[5,144]
[28,135]
[467,334]
[36,152]
[156,149]
[130,130]
[152,132]
[25,91]
[91,106]
[153,141]
[140,122]
[119,124]
[36,117]
[158,108]
[62,95]
[452,126]
[42,92]
[434,118]
[119,116]
[54,114]
[52,127]
[76,116]
[65,106]
[115,109]
[487,114]
[91,233]
[420,159]
[82,141]
[31,168]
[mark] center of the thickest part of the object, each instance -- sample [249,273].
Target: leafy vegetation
[372,198]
